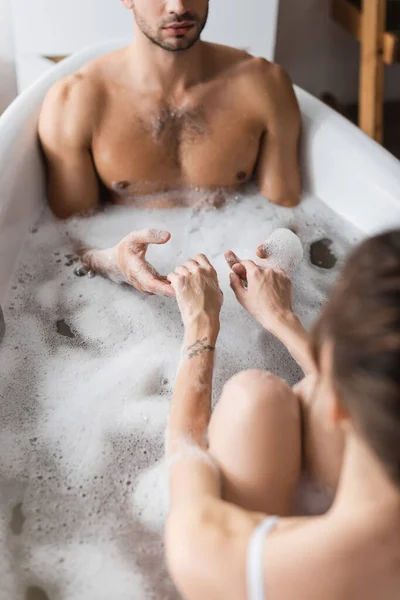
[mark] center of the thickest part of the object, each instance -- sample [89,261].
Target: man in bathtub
[164,116]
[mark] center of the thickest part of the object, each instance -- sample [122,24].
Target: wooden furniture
[376,24]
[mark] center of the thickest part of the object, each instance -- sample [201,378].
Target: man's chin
[179,44]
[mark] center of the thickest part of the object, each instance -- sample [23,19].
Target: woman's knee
[256,393]
[255,437]
[255,387]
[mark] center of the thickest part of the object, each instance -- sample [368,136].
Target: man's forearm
[102,262]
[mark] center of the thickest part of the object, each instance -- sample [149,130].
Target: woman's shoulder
[323,557]
[217,554]
[304,558]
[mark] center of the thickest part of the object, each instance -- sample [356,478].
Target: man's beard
[187,43]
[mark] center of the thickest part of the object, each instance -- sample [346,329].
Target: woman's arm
[267,295]
[200,300]
[186,440]
[290,331]
[206,538]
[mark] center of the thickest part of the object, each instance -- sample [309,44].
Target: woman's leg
[255,437]
[323,444]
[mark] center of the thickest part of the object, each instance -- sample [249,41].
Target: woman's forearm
[295,337]
[193,474]
[191,401]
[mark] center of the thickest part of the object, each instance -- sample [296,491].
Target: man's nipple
[120,186]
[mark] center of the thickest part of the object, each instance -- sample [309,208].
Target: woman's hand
[198,294]
[265,293]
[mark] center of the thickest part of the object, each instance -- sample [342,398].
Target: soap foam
[283,250]
[82,419]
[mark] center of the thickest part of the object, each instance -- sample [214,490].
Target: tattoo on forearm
[199,347]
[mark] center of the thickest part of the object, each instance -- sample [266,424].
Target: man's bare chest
[202,144]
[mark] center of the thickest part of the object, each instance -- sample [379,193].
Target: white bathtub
[341,166]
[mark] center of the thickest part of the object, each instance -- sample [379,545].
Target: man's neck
[170,73]
[364,486]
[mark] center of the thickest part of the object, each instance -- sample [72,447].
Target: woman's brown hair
[362,319]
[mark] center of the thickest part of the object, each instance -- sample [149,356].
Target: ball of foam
[283,251]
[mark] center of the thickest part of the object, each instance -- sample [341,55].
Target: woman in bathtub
[230,534]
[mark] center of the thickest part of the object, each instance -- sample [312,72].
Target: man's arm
[66,128]
[278,172]
[65,131]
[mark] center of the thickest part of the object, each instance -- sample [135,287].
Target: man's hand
[126,262]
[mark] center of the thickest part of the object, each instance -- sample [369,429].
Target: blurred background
[343,51]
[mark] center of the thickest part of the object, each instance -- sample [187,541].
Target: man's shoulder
[269,83]
[81,93]
[85,84]
[267,73]
[241,63]
[226,59]
[66,108]
[72,103]
[71,90]
[227,53]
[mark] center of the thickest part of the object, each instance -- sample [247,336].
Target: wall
[8,87]
[319,55]
[63,27]
[58,27]
[249,24]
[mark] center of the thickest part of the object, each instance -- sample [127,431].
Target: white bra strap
[255,564]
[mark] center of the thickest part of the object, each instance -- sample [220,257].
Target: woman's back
[334,557]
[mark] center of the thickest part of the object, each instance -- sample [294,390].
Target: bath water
[87,370]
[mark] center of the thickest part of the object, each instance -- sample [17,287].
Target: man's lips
[180,27]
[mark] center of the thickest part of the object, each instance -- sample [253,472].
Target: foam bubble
[150,498]
[284,251]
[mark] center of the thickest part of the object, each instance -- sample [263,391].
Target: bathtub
[341,167]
